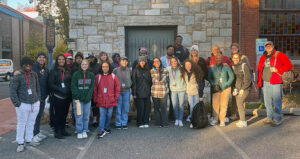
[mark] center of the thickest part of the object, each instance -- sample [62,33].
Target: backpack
[287,77]
[199,116]
[99,78]
[252,73]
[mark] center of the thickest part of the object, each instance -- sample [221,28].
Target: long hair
[110,68]
[107,59]
[174,57]
[160,67]
[65,64]
[145,67]
[196,70]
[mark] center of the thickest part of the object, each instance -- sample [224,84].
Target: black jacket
[149,63]
[141,83]
[94,67]
[75,66]
[181,53]
[55,83]
[43,74]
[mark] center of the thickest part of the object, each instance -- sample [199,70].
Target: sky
[15,3]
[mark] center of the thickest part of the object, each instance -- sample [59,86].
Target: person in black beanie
[76,65]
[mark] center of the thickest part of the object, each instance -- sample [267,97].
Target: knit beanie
[26,60]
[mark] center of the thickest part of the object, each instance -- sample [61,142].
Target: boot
[58,134]
[65,133]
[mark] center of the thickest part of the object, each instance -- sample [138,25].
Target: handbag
[216,88]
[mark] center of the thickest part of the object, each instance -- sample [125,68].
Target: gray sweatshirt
[127,80]
[19,89]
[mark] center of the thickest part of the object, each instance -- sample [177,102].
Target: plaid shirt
[159,87]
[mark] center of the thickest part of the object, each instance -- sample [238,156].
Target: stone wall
[98,25]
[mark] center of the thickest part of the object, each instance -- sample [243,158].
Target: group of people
[104,86]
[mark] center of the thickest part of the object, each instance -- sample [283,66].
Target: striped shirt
[159,87]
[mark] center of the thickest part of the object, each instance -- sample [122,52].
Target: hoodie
[114,64]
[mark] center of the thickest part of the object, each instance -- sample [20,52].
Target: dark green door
[155,39]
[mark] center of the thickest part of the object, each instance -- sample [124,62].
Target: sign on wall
[260,48]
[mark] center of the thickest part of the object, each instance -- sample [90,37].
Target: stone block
[110,34]
[152,12]
[226,32]
[150,20]
[72,45]
[132,12]
[213,32]
[75,13]
[104,26]
[129,2]
[120,10]
[199,36]
[108,40]
[89,12]
[95,39]
[141,4]
[166,11]
[226,16]
[219,41]
[220,5]
[90,30]
[220,23]
[205,47]
[93,47]
[110,19]
[98,19]
[196,8]
[161,1]
[229,23]
[228,41]
[188,20]
[75,33]
[97,1]
[106,47]
[81,44]
[181,29]
[83,4]
[107,6]
[160,5]
[121,31]
[213,14]
[119,43]
[200,18]
[183,10]
[175,10]
[187,39]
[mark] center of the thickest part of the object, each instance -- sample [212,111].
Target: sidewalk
[8,118]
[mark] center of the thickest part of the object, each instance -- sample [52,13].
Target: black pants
[38,118]
[51,112]
[143,110]
[61,109]
[160,109]
[95,110]
[171,109]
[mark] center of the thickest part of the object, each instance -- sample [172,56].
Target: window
[280,23]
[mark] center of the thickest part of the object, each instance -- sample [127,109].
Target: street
[257,141]
[4,89]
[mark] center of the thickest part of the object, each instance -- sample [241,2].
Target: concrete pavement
[257,141]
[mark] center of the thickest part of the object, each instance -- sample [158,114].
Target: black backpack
[199,116]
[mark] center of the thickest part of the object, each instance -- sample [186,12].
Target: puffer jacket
[55,83]
[141,83]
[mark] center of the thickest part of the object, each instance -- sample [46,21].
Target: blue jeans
[193,100]
[122,109]
[178,101]
[273,95]
[105,116]
[82,121]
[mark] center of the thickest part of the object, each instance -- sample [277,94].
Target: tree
[46,7]
[35,44]
[60,48]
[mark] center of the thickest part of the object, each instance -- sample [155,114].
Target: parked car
[6,69]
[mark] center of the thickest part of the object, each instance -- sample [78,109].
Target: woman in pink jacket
[106,95]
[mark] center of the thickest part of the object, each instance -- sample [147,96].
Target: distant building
[14,32]
[3,1]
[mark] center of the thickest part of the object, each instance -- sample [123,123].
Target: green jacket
[80,91]
[221,72]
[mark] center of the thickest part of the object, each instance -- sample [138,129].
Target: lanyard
[62,75]
[168,61]
[173,75]
[123,77]
[28,79]
[83,79]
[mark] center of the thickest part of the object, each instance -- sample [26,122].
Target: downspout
[240,22]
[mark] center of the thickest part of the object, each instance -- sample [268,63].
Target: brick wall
[235,21]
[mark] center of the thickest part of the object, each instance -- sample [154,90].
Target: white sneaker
[141,126]
[146,126]
[84,135]
[213,122]
[20,148]
[79,136]
[191,126]
[188,119]
[176,123]
[41,136]
[226,120]
[241,124]
[34,143]
[36,138]
[180,124]
[222,123]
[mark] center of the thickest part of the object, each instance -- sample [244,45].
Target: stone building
[121,25]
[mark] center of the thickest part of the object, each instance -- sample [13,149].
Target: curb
[263,112]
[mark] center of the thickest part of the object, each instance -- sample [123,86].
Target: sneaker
[58,135]
[125,127]
[20,148]
[226,120]
[79,136]
[180,124]
[101,134]
[188,119]
[146,126]
[275,123]
[118,127]
[222,123]
[191,126]
[33,143]
[268,121]
[141,126]
[107,131]
[241,124]
[213,122]
[84,135]
[42,136]
[176,122]
[36,138]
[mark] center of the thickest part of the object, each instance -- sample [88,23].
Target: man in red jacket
[269,78]
[211,61]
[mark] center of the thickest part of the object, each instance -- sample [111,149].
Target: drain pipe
[240,22]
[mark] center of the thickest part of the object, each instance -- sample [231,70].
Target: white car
[6,69]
